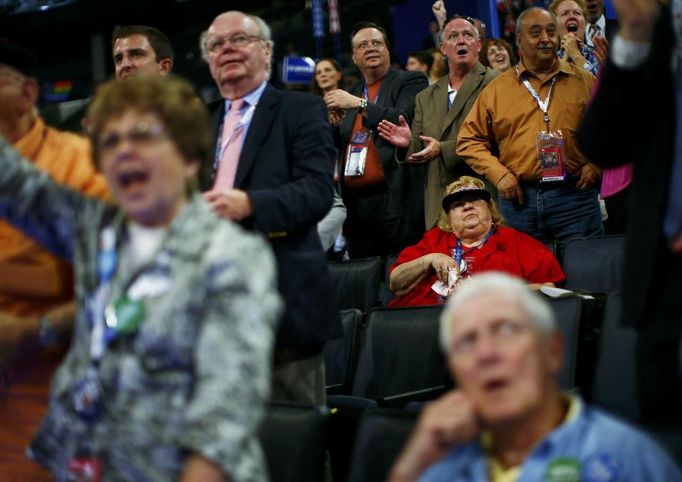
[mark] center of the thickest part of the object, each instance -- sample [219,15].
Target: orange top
[374,171]
[33,280]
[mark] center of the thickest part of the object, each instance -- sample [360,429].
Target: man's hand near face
[446,423]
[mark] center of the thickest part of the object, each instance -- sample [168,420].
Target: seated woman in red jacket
[470,238]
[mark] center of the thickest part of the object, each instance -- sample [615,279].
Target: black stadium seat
[293,439]
[380,438]
[400,353]
[386,294]
[340,355]
[356,282]
[594,264]
[615,386]
[568,314]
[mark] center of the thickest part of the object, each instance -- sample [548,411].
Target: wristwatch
[362,105]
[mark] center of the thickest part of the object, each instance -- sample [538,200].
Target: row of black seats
[294,437]
[591,264]
[392,356]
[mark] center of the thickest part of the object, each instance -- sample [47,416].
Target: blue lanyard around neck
[457,253]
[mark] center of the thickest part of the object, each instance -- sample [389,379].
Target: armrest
[415,396]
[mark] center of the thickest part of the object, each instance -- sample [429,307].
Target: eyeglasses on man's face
[141,135]
[216,44]
[374,44]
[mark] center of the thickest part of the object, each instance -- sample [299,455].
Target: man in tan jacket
[439,113]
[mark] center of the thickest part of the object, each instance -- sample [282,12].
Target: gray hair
[540,314]
[441,34]
[522,15]
[264,33]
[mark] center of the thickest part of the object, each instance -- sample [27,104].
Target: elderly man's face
[461,43]
[134,55]
[538,40]
[237,65]
[146,172]
[500,360]
[571,19]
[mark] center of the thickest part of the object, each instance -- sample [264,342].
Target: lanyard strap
[107,262]
[457,252]
[544,105]
[365,94]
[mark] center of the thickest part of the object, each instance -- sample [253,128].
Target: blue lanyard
[365,94]
[107,262]
[457,252]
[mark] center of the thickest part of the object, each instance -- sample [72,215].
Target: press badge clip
[550,147]
[356,157]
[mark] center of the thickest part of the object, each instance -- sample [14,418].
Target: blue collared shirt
[604,448]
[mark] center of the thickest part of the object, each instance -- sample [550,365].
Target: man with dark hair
[384,202]
[140,49]
[598,25]
[419,61]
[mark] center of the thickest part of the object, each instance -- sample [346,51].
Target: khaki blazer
[432,118]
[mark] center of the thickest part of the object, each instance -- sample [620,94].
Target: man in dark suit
[597,23]
[273,173]
[384,202]
[633,114]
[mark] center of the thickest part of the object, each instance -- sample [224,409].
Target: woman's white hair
[539,312]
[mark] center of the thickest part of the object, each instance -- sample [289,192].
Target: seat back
[568,313]
[386,294]
[400,352]
[379,441]
[615,384]
[356,282]
[293,439]
[340,354]
[594,264]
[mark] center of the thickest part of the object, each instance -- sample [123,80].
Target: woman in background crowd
[497,54]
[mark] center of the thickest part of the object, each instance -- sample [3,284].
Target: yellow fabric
[32,280]
[497,472]
[506,119]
